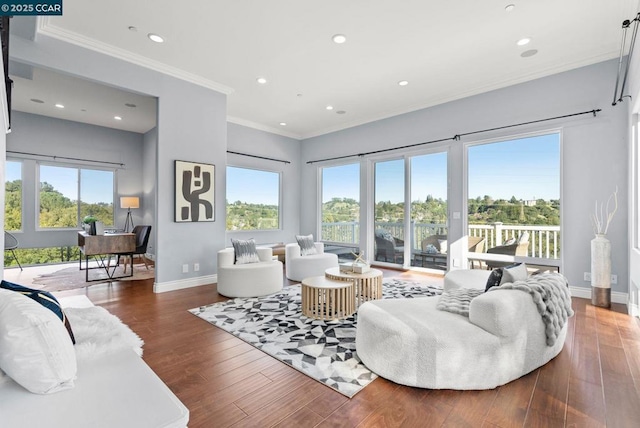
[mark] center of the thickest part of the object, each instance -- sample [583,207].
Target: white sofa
[299,267]
[411,342]
[112,389]
[250,279]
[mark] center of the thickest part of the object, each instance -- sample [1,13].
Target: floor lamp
[129,202]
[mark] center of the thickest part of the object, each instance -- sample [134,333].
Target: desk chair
[142,239]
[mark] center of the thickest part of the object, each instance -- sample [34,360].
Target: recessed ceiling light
[530,52]
[35,100]
[132,28]
[403,82]
[340,112]
[155,38]
[510,7]
[117,117]
[283,123]
[60,105]
[261,80]
[523,41]
[329,107]
[131,105]
[339,38]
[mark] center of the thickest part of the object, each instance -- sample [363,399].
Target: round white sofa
[250,279]
[410,342]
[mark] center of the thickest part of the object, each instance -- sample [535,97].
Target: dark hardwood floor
[595,381]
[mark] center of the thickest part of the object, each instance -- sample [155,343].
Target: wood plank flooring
[594,382]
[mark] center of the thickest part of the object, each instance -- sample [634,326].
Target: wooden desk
[100,245]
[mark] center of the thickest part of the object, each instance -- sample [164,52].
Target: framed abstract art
[195,192]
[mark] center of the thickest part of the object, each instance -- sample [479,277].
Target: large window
[514,196]
[13,196]
[67,194]
[253,199]
[341,204]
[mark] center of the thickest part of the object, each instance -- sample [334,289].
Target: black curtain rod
[65,158]
[458,136]
[257,157]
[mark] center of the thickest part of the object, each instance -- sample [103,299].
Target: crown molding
[45,28]
[261,127]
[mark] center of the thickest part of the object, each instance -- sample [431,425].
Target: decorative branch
[599,220]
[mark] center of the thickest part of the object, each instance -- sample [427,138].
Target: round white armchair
[250,279]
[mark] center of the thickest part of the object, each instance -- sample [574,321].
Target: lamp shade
[129,202]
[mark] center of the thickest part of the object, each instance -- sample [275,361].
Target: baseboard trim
[163,287]
[634,310]
[585,293]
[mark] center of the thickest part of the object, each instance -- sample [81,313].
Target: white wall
[55,137]
[633,106]
[191,126]
[251,141]
[594,153]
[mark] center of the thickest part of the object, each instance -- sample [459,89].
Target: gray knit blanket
[550,293]
[457,301]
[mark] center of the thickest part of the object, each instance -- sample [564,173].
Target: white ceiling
[446,50]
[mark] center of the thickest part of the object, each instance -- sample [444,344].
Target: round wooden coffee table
[326,299]
[368,284]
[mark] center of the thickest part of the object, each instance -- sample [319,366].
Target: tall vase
[601,271]
[92,228]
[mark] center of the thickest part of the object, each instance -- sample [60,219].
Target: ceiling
[445,50]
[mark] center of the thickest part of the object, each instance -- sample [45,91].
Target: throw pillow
[307,245]
[514,272]
[431,249]
[46,299]
[244,251]
[36,350]
[494,279]
[443,246]
[510,241]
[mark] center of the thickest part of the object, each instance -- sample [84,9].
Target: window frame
[320,204]
[78,168]
[279,173]
[557,263]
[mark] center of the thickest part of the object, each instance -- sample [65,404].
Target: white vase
[601,271]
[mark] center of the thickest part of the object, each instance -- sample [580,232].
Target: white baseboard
[162,287]
[585,293]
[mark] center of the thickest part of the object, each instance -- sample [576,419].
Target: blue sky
[251,185]
[527,168]
[97,185]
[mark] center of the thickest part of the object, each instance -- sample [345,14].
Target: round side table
[368,284]
[326,299]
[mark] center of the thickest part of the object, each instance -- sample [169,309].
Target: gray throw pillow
[245,251]
[513,273]
[307,245]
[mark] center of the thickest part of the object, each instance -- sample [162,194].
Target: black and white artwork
[195,192]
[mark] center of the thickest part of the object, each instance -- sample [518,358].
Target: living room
[598,155]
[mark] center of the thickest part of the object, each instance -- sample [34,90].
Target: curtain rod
[458,136]
[66,158]
[257,157]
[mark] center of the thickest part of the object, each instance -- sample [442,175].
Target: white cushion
[514,273]
[35,348]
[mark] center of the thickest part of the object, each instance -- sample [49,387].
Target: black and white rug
[322,350]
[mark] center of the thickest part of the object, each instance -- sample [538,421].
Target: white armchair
[250,279]
[299,267]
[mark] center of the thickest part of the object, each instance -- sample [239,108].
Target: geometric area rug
[322,350]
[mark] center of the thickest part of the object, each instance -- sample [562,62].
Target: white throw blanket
[550,293]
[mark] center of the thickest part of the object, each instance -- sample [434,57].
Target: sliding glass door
[389,216]
[416,236]
[429,228]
